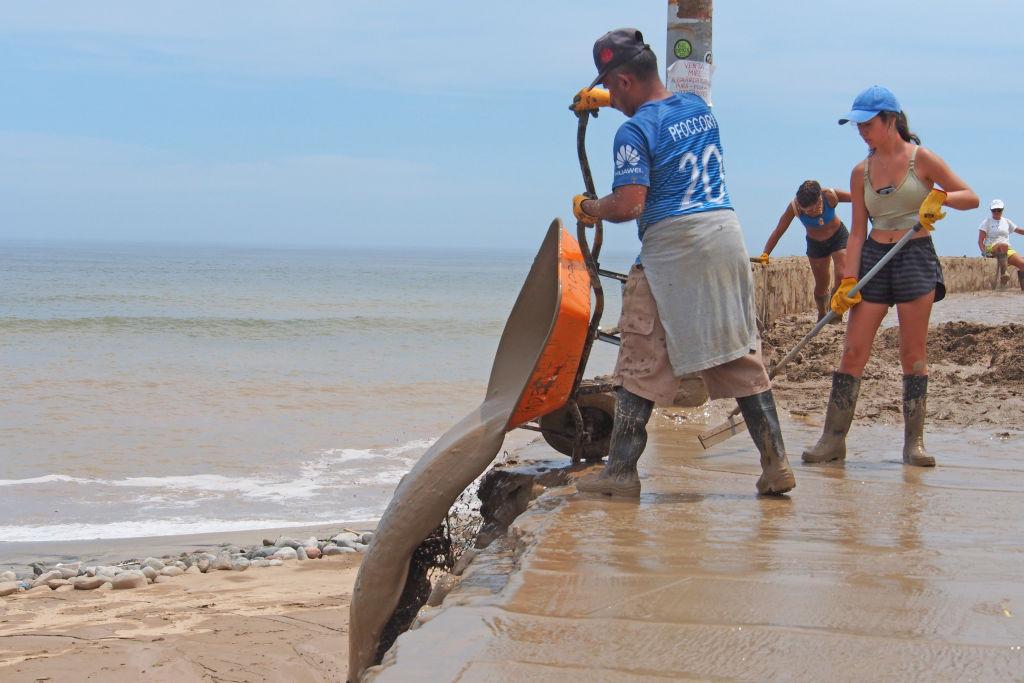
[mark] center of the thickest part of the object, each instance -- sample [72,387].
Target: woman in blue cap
[898,185]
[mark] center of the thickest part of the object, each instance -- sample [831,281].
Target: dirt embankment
[976,371]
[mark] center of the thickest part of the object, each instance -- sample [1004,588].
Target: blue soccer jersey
[672,146]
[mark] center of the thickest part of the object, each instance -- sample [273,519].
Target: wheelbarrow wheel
[598,412]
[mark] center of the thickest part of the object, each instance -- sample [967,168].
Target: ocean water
[156,390]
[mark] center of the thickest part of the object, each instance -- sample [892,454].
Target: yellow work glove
[577,209]
[931,209]
[590,99]
[763,258]
[841,301]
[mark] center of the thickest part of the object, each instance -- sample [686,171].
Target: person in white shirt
[994,239]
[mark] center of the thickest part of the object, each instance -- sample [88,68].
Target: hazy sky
[361,123]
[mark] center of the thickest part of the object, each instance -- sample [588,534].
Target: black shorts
[827,247]
[911,273]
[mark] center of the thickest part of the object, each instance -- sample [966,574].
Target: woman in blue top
[826,235]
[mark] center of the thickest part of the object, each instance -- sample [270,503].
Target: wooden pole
[689,59]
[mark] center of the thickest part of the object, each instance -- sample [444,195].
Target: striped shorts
[912,273]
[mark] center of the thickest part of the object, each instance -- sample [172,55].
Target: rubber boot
[838,416]
[1020,279]
[1004,277]
[763,424]
[629,437]
[915,407]
[819,303]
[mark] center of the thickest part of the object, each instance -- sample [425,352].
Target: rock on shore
[136,574]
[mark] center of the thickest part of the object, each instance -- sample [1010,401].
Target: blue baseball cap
[869,102]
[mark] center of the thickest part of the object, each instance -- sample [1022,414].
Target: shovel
[734,423]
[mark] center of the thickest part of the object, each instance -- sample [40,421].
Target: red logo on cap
[606,55]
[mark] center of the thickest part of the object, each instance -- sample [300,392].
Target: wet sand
[285,623]
[870,570]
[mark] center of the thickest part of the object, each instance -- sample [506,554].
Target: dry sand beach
[286,623]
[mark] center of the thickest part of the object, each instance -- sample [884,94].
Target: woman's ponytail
[903,128]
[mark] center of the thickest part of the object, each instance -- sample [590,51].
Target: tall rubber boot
[1004,277]
[629,438]
[819,303]
[763,424]
[1020,279]
[838,416]
[915,407]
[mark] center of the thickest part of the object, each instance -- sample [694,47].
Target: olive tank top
[897,210]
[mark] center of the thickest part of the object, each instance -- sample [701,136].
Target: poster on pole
[690,75]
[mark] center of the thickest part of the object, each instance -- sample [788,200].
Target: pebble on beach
[68,576]
[223,562]
[286,553]
[154,563]
[46,576]
[284,541]
[88,583]
[69,570]
[346,537]
[129,579]
[330,550]
[9,587]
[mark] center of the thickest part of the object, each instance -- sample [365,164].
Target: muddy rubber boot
[838,416]
[629,437]
[915,407]
[819,303]
[763,424]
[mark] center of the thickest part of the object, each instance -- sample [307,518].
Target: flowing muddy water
[428,491]
[869,570]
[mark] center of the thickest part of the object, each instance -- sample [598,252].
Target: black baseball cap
[615,48]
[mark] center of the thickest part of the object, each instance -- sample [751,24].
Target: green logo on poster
[683,49]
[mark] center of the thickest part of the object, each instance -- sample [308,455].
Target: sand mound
[974,371]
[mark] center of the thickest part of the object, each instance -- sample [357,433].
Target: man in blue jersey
[688,305]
